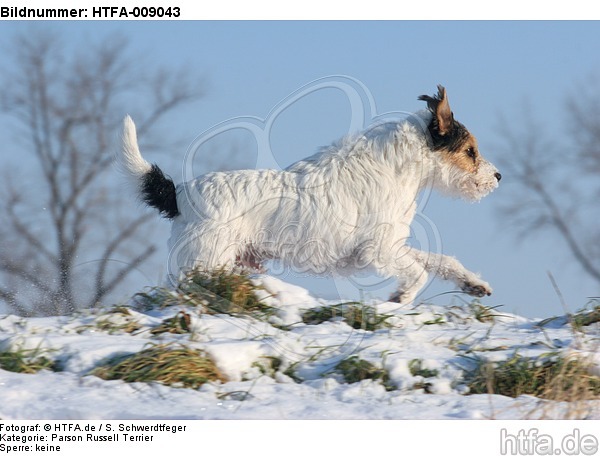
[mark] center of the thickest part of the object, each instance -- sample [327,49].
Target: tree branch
[20,271]
[68,105]
[563,227]
[550,198]
[102,288]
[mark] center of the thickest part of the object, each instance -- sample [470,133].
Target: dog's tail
[154,188]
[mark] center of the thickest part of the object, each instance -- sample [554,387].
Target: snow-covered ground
[441,340]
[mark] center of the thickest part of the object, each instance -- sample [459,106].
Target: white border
[345,10]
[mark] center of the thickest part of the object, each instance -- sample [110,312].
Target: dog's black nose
[498,176]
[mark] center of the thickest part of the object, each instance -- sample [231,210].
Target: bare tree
[64,210]
[556,178]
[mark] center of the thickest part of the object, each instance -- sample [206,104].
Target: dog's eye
[471,153]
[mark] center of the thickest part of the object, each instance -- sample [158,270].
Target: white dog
[346,208]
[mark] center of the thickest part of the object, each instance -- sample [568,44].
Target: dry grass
[551,377]
[161,298]
[484,314]
[587,317]
[25,361]
[416,369]
[354,314]
[179,324]
[216,292]
[578,320]
[564,383]
[268,365]
[166,364]
[118,319]
[354,370]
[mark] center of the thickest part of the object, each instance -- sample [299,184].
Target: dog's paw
[477,288]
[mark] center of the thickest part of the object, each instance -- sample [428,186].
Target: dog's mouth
[473,190]
[474,186]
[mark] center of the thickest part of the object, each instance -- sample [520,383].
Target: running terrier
[346,208]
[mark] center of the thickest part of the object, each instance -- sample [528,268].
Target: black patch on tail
[158,191]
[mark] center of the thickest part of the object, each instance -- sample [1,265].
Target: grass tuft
[584,317]
[180,366]
[161,298]
[179,324]
[355,314]
[26,362]
[483,314]
[415,366]
[118,319]
[549,377]
[589,316]
[416,369]
[354,370]
[268,365]
[225,292]
[437,320]
[216,292]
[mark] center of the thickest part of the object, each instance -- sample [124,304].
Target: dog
[346,208]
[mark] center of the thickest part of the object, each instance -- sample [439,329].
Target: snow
[441,338]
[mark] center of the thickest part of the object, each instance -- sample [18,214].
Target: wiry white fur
[346,208]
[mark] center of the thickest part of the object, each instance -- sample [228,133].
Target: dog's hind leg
[408,290]
[411,276]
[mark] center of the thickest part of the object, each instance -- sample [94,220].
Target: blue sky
[488,68]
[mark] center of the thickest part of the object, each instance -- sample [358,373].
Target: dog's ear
[439,106]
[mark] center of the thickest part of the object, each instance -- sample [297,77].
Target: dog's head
[464,172]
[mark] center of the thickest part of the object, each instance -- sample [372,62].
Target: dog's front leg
[449,268]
